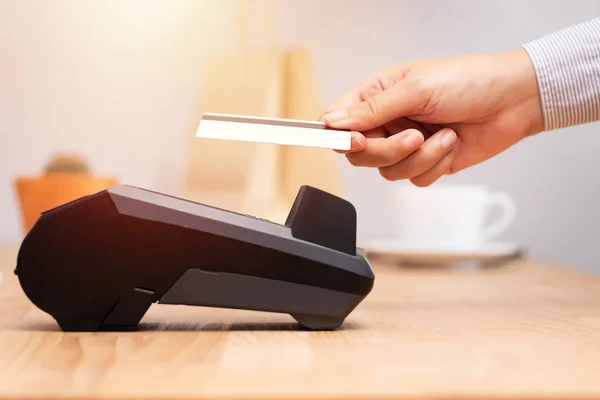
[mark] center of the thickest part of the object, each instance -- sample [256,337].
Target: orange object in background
[39,194]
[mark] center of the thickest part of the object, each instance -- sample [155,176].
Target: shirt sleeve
[567,67]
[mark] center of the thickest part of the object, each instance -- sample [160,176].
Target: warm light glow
[162,10]
[157,15]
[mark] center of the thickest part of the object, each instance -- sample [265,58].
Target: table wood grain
[524,330]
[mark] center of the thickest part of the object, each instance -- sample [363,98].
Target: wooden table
[525,329]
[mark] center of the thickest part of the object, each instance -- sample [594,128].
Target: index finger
[370,86]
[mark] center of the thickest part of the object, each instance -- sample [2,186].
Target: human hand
[425,119]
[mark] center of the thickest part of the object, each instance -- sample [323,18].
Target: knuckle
[420,84]
[371,106]
[423,89]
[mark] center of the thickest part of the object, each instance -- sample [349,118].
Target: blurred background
[121,85]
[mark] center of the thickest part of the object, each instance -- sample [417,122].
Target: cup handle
[509,212]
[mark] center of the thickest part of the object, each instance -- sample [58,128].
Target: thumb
[401,100]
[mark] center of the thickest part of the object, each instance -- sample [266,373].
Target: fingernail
[413,139]
[356,143]
[448,138]
[336,116]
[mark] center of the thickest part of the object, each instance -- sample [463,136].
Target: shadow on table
[234,326]
[151,326]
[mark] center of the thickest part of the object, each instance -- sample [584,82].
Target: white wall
[106,78]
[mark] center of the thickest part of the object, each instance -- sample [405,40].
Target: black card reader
[99,262]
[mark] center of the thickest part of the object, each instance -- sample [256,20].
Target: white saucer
[392,248]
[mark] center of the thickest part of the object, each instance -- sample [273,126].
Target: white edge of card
[317,124]
[274,134]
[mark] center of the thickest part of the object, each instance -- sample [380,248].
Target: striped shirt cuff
[567,66]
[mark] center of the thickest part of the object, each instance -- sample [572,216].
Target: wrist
[523,91]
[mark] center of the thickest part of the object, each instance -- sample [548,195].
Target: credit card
[281,131]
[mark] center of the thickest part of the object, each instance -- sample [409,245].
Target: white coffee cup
[450,216]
